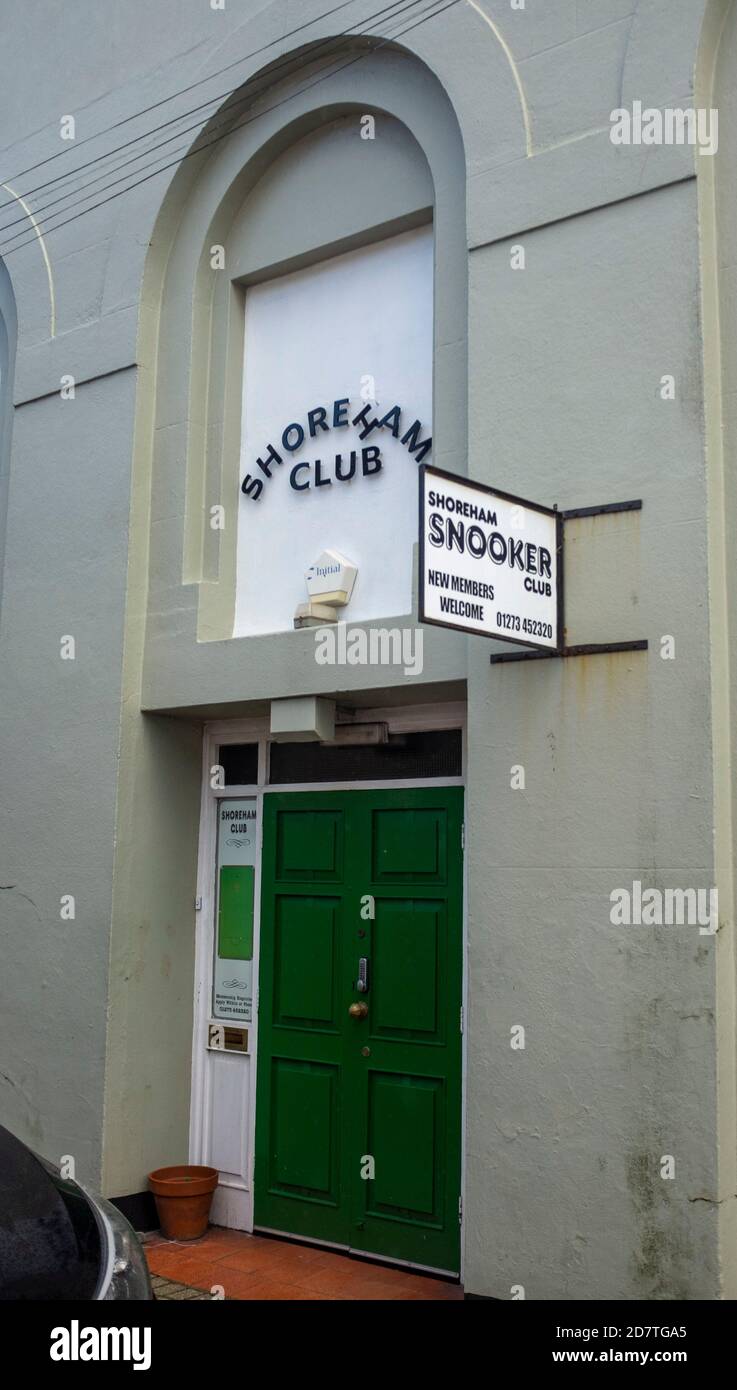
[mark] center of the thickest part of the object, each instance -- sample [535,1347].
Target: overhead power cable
[327,14]
[288,61]
[196,149]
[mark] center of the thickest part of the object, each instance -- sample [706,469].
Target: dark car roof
[49,1239]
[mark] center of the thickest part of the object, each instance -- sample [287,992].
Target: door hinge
[463,834]
[461,1018]
[460,1209]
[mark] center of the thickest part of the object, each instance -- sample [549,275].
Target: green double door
[358,1106]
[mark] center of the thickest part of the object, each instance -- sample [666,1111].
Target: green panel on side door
[334,1088]
[235,912]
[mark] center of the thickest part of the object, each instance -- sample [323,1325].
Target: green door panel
[306,962]
[309,845]
[303,1121]
[358,1121]
[403,1118]
[408,935]
[409,844]
[235,912]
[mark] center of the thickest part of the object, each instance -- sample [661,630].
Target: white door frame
[233,1204]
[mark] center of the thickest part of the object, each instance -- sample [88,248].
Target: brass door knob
[358,1010]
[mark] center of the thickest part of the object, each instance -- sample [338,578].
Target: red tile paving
[260,1267]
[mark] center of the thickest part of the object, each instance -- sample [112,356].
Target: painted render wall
[563,1140]
[65,567]
[565,1137]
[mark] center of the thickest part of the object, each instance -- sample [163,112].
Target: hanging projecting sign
[490,563]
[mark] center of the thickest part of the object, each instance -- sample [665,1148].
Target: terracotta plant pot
[183,1199]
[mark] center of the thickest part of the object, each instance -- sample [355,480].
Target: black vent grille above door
[410,756]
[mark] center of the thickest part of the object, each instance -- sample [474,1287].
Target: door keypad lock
[362,983]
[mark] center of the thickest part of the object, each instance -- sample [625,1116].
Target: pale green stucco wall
[560,402]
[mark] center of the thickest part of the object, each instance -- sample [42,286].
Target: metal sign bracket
[584,648]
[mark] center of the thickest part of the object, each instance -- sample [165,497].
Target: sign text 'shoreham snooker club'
[490,563]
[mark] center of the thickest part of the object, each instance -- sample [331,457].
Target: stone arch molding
[191,322]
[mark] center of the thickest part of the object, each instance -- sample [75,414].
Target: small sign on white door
[233,968]
[490,563]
